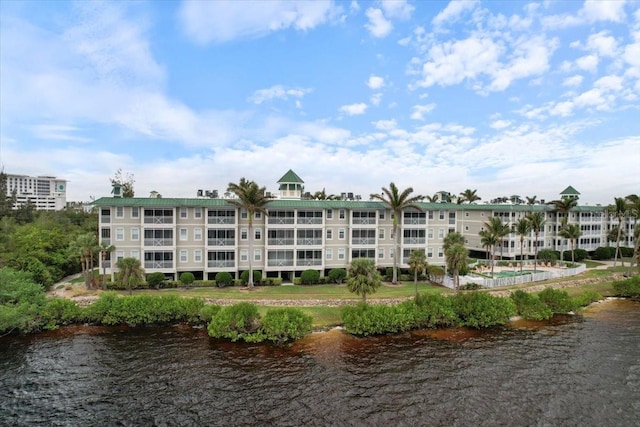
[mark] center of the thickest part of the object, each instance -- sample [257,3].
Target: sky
[502,97]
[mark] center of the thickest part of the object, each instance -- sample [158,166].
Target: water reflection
[575,370]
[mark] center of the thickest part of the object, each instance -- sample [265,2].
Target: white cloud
[588,63]
[453,11]
[573,81]
[375,82]
[591,11]
[354,109]
[385,124]
[603,44]
[500,124]
[376,99]
[397,9]
[378,25]
[222,21]
[277,92]
[59,132]
[418,111]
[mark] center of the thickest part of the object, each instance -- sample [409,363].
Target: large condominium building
[44,192]
[208,235]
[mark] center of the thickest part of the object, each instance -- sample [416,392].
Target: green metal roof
[290,177]
[570,191]
[327,204]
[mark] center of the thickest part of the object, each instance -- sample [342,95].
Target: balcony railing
[414,241]
[280,263]
[364,221]
[158,242]
[158,264]
[313,220]
[308,262]
[158,220]
[363,241]
[278,220]
[106,241]
[280,241]
[105,219]
[309,241]
[221,242]
[221,220]
[221,264]
[415,221]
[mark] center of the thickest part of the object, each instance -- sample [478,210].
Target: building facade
[44,192]
[208,235]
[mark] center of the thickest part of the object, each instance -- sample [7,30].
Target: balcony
[414,241]
[221,220]
[158,264]
[364,221]
[105,219]
[277,241]
[363,241]
[280,263]
[309,262]
[158,242]
[309,242]
[221,242]
[280,220]
[221,264]
[309,220]
[158,220]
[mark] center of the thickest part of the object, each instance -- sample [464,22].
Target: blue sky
[504,97]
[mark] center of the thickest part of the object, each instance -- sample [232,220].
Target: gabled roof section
[570,191]
[290,178]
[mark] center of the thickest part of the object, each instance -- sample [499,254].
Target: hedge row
[543,305]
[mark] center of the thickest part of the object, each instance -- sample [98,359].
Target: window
[257,254]
[466,228]
[183,212]
[244,234]
[328,254]
[341,253]
[329,214]
[430,233]
[197,234]
[135,254]
[440,233]
[183,256]
[341,234]
[391,253]
[197,213]
[135,234]
[243,255]
[341,213]
[119,234]
[183,234]
[135,212]
[243,213]
[119,255]
[430,214]
[329,234]
[466,214]
[257,215]
[441,213]
[380,253]
[257,233]
[430,252]
[197,255]
[440,253]
[381,215]
[381,234]
[119,212]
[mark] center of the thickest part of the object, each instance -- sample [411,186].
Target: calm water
[582,370]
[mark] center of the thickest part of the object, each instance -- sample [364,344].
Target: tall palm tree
[619,210]
[432,199]
[536,222]
[489,241]
[562,207]
[254,199]
[104,250]
[397,202]
[500,230]
[322,195]
[573,233]
[633,202]
[532,200]
[85,246]
[522,228]
[417,262]
[456,258]
[469,196]
[131,272]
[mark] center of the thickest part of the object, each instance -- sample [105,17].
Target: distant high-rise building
[44,192]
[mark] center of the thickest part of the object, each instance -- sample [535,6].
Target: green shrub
[435,310]
[224,279]
[59,312]
[604,253]
[548,255]
[337,275]
[297,281]
[155,279]
[237,322]
[435,274]
[364,319]
[578,255]
[586,298]
[557,300]
[470,286]
[244,277]
[481,310]
[628,287]
[626,251]
[310,277]
[284,324]
[529,306]
[271,281]
[207,312]
[203,284]
[405,277]
[187,278]
[388,274]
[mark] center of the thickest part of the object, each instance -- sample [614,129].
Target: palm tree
[130,272]
[432,199]
[363,278]
[522,228]
[573,233]
[417,262]
[562,207]
[500,230]
[85,247]
[397,201]
[633,202]
[456,258]
[252,198]
[469,196]
[532,200]
[489,241]
[619,210]
[322,195]
[105,249]
[536,222]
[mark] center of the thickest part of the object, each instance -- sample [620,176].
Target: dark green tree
[363,278]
